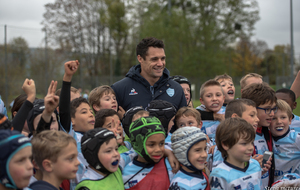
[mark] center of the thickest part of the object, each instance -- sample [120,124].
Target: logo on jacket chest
[170,92]
[133,92]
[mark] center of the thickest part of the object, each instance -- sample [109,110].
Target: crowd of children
[69,142]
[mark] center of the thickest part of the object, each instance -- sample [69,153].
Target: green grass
[295,111]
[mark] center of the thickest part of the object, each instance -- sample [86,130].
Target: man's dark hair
[289,92]
[142,47]
[75,104]
[101,116]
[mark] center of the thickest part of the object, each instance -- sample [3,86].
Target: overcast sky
[273,26]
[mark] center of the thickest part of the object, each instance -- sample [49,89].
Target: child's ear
[295,105]
[290,121]
[234,115]
[201,100]
[73,121]
[200,125]
[95,107]
[47,165]
[225,147]
[15,113]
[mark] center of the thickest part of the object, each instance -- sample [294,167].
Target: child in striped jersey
[234,138]
[189,147]
[212,98]
[290,98]
[149,170]
[286,141]
[245,109]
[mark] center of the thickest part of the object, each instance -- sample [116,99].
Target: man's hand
[70,69]
[29,88]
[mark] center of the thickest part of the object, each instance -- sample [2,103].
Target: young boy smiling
[286,141]
[234,138]
[189,147]
[212,98]
[265,99]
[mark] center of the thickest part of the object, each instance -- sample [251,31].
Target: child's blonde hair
[208,83]
[97,93]
[243,80]
[48,145]
[187,111]
[223,77]
[285,107]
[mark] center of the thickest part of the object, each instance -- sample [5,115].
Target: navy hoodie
[134,90]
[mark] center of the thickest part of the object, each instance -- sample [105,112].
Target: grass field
[296,111]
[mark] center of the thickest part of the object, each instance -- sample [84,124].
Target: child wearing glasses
[265,99]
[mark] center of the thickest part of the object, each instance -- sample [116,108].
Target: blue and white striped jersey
[260,145]
[188,181]
[287,153]
[295,123]
[227,176]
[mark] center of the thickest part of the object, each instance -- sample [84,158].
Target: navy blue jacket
[42,185]
[134,90]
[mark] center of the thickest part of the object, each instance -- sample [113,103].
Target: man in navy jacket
[148,80]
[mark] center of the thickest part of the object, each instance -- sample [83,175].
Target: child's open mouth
[115,163]
[279,128]
[230,92]
[118,136]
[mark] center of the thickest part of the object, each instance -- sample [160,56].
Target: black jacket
[134,90]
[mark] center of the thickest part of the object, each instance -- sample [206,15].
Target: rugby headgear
[182,141]
[127,118]
[91,142]
[140,130]
[11,142]
[163,110]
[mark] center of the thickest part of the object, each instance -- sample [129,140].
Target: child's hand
[267,166]
[173,160]
[29,88]
[70,69]
[211,149]
[258,157]
[51,100]
[121,112]
[219,117]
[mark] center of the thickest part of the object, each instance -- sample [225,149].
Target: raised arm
[64,103]
[20,118]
